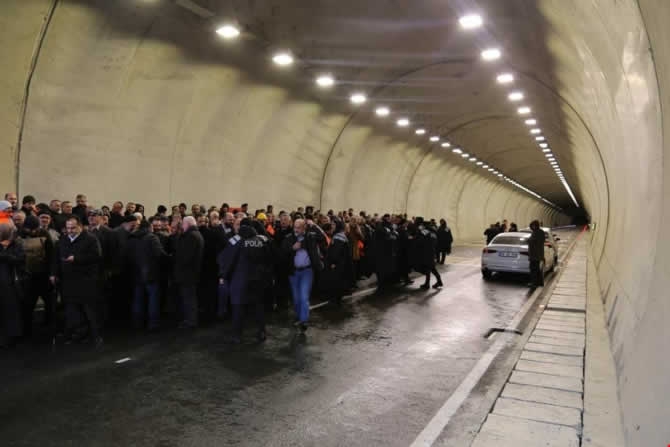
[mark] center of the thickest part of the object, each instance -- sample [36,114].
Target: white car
[508,252]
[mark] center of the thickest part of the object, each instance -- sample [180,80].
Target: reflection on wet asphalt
[373,373]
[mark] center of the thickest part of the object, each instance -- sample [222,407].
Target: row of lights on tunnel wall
[467,22]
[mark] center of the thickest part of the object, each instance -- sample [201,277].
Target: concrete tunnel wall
[121,117]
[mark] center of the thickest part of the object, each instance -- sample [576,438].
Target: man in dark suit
[76,268]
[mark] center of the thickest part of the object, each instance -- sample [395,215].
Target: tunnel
[551,110]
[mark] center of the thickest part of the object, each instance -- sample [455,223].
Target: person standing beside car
[536,254]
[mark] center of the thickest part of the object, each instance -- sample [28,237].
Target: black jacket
[145,255]
[108,244]
[422,250]
[79,279]
[444,239]
[385,249]
[310,244]
[188,257]
[338,268]
[215,241]
[115,220]
[536,245]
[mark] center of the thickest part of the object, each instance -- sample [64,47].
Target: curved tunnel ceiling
[414,57]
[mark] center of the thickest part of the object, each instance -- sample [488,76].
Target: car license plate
[507,254]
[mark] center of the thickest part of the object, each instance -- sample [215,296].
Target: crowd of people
[496,228]
[122,266]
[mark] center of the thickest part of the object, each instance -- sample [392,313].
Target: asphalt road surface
[372,373]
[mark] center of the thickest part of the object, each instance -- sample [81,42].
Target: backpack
[36,254]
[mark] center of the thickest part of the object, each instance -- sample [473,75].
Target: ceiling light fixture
[420,131]
[540,138]
[446,144]
[457,150]
[525,110]
[471,21]
[535,131]
[485,166]
[505,78]
[325,81]
[544,145]
[434,138]
[479,163]
[382,111]
[402,122]
[465,155]
[358,98]
[491,54]
[531,122]
[472,159]
[515,96]
[546,150]
[283,59]
[228,32]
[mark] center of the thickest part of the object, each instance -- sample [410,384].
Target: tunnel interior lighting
[515,96]
[500,175]
[531,122]
[540,138]
[546,150]
[485,166]
[446,144]
[491,54]
[325,81]
[402,122]
[420,131]
[434,138]
[228,31]
[505,78]
[525,110]
[358,98]
[382,111]
[457,150]
[465,155]
[490,169]
[544,145]
[479,163]
[473,159]
[283,59]
[536,131]
[471,21]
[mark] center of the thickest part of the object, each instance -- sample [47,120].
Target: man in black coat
[187,268]
[422,252]
[108,244]
[76,268]
[215,238]
[145,254]
[536,255]
[338,266]
[385,252]
[444,241]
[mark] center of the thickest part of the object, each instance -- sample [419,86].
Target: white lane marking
[434,429]
[436,425]
[123,360]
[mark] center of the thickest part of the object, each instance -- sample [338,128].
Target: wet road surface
[372,373]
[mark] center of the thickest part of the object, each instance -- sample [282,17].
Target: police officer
[245,265]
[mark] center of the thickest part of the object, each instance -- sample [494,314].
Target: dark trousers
[146,295]
[536,277]
[74,321]
[189,303]
[440,256]
[258,306]
[434,271]
[38,286]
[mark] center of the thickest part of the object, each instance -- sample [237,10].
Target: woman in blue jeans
[301,251]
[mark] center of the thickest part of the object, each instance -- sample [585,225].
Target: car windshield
[511,240]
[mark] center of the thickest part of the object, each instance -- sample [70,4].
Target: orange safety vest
[270,230]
